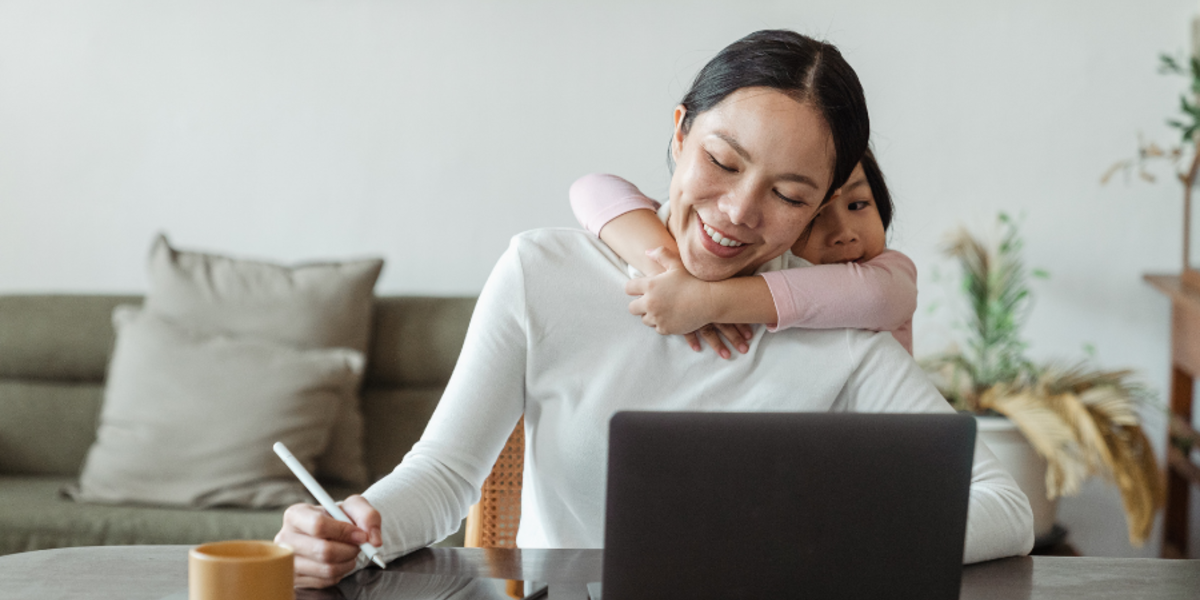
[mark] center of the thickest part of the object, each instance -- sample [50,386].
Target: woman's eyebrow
[733,144]
[796,177]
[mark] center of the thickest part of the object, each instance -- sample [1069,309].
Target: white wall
[430,132]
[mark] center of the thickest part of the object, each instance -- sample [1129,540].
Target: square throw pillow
[321,305]
[189,418]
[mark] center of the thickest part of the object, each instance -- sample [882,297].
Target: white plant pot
[1024,464]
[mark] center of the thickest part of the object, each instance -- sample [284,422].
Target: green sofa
[54,350]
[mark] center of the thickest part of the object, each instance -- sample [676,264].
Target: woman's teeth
[720,239]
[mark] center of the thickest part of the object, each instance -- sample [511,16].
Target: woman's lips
[712,246]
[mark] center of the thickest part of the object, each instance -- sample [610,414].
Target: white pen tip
[379,561]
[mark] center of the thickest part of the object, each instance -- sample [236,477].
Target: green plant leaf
[1188,107]
[1168,64]
[1040,273]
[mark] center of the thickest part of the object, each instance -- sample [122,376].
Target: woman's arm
[887,380]
[880,294]
[426,497]
[622,216]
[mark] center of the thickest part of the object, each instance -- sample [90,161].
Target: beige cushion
[189,418]
[325,305]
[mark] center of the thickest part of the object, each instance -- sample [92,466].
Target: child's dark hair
[879,189]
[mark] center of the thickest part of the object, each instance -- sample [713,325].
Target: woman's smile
[717,242]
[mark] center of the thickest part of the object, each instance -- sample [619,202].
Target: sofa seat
[37,517]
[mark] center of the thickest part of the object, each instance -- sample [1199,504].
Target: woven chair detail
[493,522]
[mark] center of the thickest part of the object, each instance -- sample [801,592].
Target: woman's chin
[709,268]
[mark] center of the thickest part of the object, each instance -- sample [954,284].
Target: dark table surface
[158,572]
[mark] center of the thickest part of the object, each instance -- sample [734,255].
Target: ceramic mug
[240,570]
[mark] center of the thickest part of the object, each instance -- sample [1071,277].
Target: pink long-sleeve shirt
[877,295]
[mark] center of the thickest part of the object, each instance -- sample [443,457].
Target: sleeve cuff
[602,218]
[781,295]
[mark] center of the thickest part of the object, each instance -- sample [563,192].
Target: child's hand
[675,302]
[737,334]
[672,303]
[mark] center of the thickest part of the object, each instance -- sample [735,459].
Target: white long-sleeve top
[551,338]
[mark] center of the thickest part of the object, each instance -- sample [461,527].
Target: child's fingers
[746,331]
[734,335]
[636,287]
[693,341]
[669,259]
[710,335]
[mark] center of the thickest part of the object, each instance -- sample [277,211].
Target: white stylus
[322,496]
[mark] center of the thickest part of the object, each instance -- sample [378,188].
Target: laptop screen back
[786,505]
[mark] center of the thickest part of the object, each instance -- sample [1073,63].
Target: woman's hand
[675,302]
[325,548]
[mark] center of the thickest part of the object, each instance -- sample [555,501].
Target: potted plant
[1183,157]
[1053,425]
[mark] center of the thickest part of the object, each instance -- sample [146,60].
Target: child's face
[848,228]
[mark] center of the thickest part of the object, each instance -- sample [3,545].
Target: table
[157,572]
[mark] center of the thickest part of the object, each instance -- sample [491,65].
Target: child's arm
[880,294]
[622,216]
[676,302]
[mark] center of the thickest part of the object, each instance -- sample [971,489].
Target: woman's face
[749,177]
[847,229]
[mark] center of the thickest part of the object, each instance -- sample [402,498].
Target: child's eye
[859,205]
[713,160]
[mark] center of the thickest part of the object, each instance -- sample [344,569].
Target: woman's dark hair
[807,70]
[879,189]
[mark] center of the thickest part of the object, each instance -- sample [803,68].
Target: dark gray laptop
[786,505]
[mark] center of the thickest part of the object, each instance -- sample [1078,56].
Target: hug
[770,131]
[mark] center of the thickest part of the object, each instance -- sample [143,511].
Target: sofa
[54,350]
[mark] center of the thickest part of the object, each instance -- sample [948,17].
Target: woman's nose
[740,207]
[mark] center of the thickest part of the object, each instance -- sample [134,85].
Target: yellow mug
[240,570]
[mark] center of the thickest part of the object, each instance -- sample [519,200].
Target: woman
[770,127]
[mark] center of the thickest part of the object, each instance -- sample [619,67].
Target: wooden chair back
[493,522]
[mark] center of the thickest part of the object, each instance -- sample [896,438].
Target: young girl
[856,281]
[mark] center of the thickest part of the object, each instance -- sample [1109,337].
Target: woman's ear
[677,139]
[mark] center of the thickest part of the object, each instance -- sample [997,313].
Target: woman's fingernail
[743,348]
[724,353]
[747,334]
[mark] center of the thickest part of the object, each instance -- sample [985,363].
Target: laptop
[786,505]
